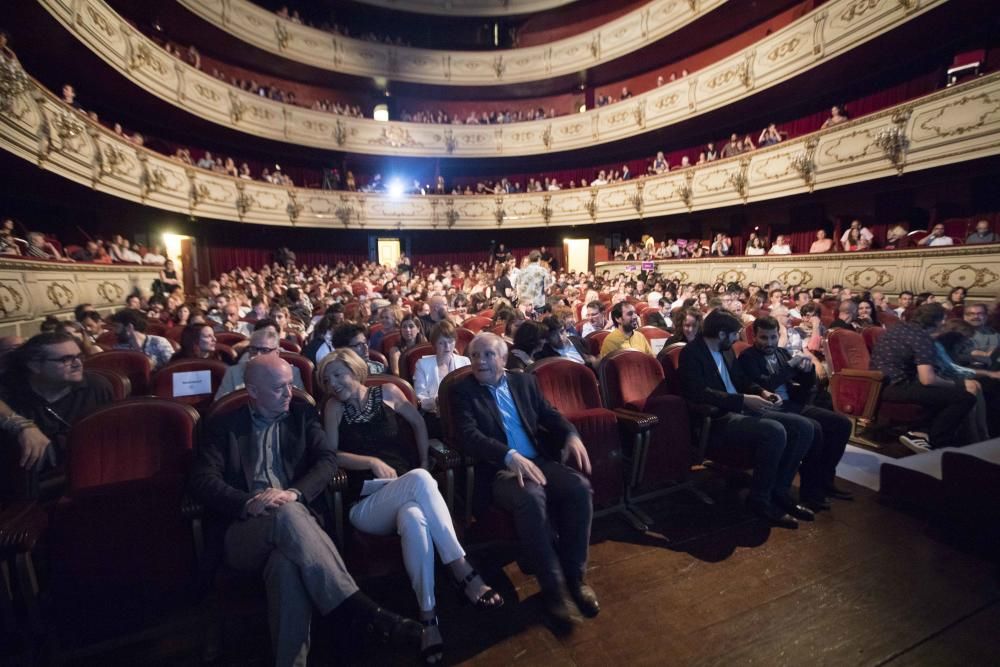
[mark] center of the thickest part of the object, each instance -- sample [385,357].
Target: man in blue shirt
[498,417]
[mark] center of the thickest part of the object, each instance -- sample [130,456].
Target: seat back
[871,336]
[289,346]
[375,355]
[230,338]
[570,387]
[488,312]
[846,349]
[463,337]
[108,339]
[156,329]
[634,380]
[237,399]
[889,319]
[477,323]
[129,440]
[389,341]
[653,333]
[594,341]
[175,332]
[747,333]
[121,387]
[165,381]
[226,353]
[306,369]
[670,360]
[399,383]
[408,365]
[739,347]
[628,378]
[446,407]
[128,363]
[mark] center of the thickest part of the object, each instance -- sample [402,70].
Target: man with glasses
[262,342]
[42,394]
[353,336]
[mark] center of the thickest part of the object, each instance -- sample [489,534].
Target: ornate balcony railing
[950,126]
[936,270]
[817,37]
[265,30]
[31,290]
[469,7]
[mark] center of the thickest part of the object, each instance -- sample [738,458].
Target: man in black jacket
[558,343]
[745,414]
[498,418]
[260,468]
[793,378]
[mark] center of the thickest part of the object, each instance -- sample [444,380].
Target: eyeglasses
[360,345]
[67,360]
[254,350]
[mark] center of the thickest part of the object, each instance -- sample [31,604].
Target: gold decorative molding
[843,154]
[265,30]
[965,276]
[32,289]
[806,43]
[937,270]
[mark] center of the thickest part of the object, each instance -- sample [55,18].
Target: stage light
[381,113]
[395,188]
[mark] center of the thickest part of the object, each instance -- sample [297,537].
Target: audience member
[983,234]
[362,428]
[905,354]
[822,243]
[936,238]
[130,328]
[745,412]
[266,520]
[626,334]
[499,416]
[792,378]
[353,336]
[432,368]
[263,342]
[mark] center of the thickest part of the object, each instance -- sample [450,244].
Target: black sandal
[488,600]
[432,654]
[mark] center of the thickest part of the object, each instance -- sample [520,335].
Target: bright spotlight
[381,113]
[395,188]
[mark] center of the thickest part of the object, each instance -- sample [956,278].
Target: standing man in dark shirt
[500,255]
[44,392]
[793,378]
[905,354]
[549,258]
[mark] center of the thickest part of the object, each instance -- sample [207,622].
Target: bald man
[261,473]
[499,417]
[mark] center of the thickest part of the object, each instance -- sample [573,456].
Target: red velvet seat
[230,338]
[175,332]
[477,323]
[490,523]
[408,364]
[128,363]
[289,346]
[108,339]
[654,333]
[633,380]
[125,551]
[594,340]
[375,355]
[888,319]
[463,337]
[488,312]
[571,388]
[163,380]
[399,383]
[226,353]
[730,455]
[389,341]
[156,329]
[856,390]
[121,387]
[306,369]
[871,336]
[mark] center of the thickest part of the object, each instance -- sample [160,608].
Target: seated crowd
[752,355]
[856,238]
[117,250]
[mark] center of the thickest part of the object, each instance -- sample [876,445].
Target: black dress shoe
[801,513]
[557,612]
[816,505]
[839,494]
[394,629]
[585,599]
[773,515]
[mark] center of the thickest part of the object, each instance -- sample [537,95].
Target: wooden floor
[863,585]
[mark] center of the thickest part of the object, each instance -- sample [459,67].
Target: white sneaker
[915,443]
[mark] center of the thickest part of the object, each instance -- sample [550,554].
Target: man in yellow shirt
[626,334]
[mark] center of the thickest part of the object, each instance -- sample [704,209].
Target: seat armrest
[21,526]
[443,457]
[633,422]
[702,410]
[875,376]
[338,484]
[856,392]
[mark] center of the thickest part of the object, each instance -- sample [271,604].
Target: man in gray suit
[259,469]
